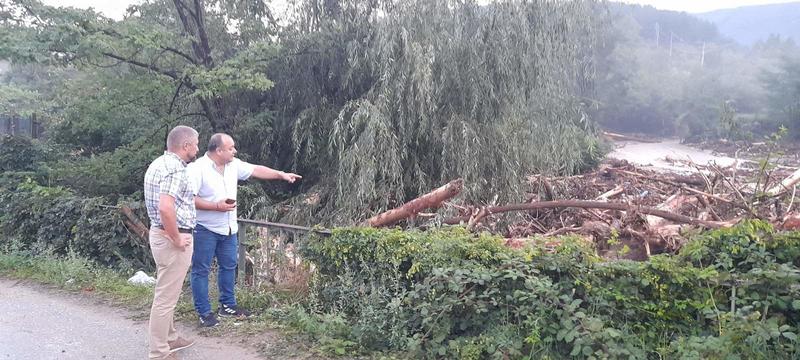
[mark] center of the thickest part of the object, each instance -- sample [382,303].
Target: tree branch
[175,97]
[179,53]
[153,68]
[201,32]
[114,33]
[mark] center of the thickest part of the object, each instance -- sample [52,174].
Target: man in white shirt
[215,178]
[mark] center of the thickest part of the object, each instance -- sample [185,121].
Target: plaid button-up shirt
[167,175]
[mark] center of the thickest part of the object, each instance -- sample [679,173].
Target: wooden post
[267,258]
[242,260]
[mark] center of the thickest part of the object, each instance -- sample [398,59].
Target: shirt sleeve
[171,184]
[195,177]
[244,169]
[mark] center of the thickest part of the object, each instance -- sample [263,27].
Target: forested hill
[750,24]
[658,25]
[673,73]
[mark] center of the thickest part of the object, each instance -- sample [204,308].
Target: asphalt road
[37,323]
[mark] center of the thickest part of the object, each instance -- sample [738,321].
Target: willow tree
[415,93]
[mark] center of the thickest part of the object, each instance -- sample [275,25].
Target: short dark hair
[216,141]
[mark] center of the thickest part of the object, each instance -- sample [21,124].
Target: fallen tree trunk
[786,184]
[134,224]
[583,204]
[672,204]
[620,137]
[413,207]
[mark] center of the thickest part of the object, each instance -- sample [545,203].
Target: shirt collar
[212,165]
[172,154]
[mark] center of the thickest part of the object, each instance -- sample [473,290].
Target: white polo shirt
[210,185]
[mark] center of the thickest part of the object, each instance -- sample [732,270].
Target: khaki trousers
[172,264]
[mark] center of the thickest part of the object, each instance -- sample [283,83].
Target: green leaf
[569,336]
[576,350]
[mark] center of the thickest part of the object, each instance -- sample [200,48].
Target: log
[678,218]
[413,207]
[620,137]
[672,204]
[134,224]
[786,184]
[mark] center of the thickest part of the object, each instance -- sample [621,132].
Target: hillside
[750,24]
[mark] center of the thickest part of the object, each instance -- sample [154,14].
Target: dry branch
[611,193]
[594,205]
[672,179]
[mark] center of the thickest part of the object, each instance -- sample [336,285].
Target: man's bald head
[222,148]
[217,141]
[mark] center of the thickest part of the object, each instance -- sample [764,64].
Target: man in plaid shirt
[169,199]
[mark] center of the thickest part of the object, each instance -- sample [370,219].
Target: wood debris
[631,212]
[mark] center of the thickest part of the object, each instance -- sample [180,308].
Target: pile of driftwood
[628,211]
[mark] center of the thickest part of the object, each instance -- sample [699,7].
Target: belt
[180,230]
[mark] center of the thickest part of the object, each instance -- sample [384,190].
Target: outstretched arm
[265,173]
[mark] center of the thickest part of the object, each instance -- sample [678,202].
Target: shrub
[448,293]
[38,218]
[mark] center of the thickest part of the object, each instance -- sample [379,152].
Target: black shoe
[232,311]
[209,320]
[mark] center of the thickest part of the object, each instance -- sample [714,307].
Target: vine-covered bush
[38,218]
[730,294]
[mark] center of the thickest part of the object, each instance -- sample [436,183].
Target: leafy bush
[38,218]
[20,153]
[447,293]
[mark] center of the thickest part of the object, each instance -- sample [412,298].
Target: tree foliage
[186,43]
[434,91]
[784,92]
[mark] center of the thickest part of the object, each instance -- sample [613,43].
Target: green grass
[76,274]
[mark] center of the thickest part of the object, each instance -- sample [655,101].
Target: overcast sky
[696,6]
[116,9]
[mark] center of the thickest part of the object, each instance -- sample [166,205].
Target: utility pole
[658,33]
[670,43]
[703,56]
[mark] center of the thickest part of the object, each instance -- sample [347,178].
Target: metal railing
[272,251]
